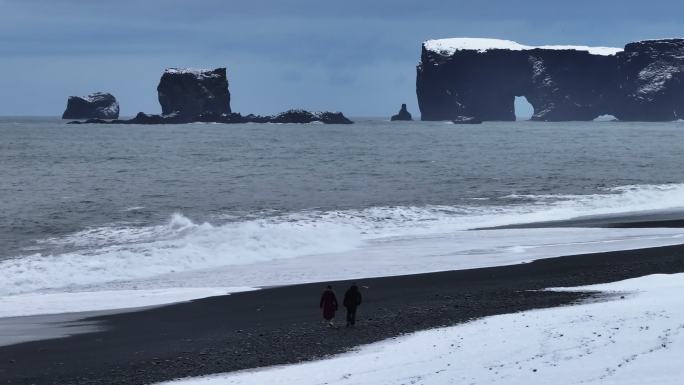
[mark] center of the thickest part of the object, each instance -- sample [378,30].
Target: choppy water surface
[243,193]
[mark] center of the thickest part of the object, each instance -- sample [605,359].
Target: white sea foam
[312,245]
[56,303]
[117,253]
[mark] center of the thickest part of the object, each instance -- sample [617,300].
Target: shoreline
[240,331]
[632,220]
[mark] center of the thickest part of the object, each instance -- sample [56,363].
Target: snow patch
[199,72]
[450,46]
[654,78]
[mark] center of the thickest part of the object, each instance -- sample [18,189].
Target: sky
[354,56]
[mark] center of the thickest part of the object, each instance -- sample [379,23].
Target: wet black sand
[653,219]
[282,325]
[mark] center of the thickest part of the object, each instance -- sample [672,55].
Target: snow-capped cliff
[480,78]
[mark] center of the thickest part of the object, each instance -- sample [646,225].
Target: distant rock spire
[403,114]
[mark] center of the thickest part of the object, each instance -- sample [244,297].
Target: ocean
[95,208]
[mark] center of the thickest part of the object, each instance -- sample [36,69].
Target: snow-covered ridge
[449,46]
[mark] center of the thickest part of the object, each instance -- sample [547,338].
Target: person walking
[352,300]
[329,305]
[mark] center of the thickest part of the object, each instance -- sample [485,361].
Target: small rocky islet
[402,115]
[99,105]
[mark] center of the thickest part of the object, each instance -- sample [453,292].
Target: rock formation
[188,96]
[302,116]
[291,116]
[191,93]
[402,115]
[480,78]
[94,106]
[650,77]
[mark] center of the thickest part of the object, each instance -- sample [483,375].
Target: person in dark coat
[329,305]
[352,300]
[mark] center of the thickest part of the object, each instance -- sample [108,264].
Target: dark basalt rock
[291,116]
[328,117]
[294,116]
[302,116]
[402,115]
[651,80]
[190,93]
[91,121]
[94,106]
[645,82]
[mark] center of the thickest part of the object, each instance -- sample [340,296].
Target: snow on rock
[449,46]
[631,339]
[201,72]
[98,105]
[651,78]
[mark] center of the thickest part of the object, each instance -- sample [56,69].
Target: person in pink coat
[329,305]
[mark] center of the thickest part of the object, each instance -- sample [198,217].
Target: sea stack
[480,78]
[190,93]
[98,105]
[402,115]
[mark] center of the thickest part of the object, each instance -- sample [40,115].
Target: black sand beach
[282,325]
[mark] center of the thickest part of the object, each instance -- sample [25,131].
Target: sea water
[112,207]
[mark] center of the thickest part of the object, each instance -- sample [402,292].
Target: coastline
[240,331]
[634,220]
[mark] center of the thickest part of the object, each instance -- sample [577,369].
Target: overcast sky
[356,56]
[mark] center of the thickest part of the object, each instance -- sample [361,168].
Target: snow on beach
[450,46]
[634,337]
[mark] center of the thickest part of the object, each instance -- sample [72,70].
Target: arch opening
[523,108]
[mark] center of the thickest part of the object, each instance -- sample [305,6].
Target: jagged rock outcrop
[403,115]
[651,80]
[302,116]
[480,78]
[99,105]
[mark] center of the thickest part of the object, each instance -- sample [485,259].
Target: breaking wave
[127,252]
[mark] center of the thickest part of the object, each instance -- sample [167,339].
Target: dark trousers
[351,315]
